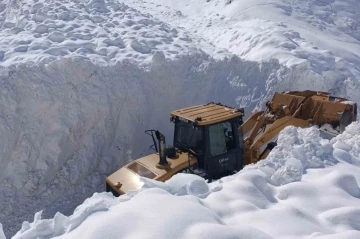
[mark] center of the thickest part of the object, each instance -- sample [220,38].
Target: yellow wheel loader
[209,140]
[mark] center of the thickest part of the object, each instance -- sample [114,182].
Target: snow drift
[284,196]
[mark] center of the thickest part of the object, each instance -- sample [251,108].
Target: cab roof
[207,113]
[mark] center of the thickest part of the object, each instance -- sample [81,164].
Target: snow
[260,29]
[80,81]
[182,184]
[323,36]
[258,202]
[2,235]
[103,31]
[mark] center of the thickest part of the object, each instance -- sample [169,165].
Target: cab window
[221,138]
[188,137]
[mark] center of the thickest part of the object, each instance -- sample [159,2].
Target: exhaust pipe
[163,163]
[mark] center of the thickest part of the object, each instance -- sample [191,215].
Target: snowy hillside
[325,34]
[325,37]
[80,81]
[306,189]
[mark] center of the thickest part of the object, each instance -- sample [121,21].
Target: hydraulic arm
[300,109]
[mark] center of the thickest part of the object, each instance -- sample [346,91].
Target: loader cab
[206,142]
[210,133]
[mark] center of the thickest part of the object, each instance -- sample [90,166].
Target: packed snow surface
[308,187]
[103,31]
[323,33]
[80,81]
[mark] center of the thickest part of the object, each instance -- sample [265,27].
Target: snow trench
[66,125]
[266,200]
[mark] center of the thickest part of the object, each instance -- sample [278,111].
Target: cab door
[223,149]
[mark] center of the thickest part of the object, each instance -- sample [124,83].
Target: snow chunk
[16,30]
[297,150]
[150,183]
[116,42]
[287,174]
[349,140]
[188,184]
[42,28]
[140,47]
[21,48]
[180,184]
[56,37]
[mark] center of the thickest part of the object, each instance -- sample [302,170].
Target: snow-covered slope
[325,37]
[308,187]
[292,31]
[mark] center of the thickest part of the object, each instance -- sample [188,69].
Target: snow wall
[66,125]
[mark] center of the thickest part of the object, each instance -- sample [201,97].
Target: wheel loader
[212,141]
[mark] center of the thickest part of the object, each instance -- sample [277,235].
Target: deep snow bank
[258,202]
[66,125]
